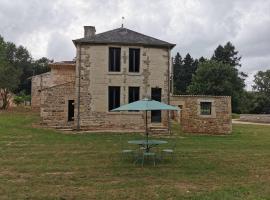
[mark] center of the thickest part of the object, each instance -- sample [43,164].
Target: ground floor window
[133,94]
[206,108]
[113,97]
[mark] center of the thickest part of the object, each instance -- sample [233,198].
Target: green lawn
[45,164]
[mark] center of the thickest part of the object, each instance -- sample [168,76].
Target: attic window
[114,59]
[206,108]
[134,60]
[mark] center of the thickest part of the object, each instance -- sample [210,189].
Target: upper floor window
[114,59]
[134,60]
[114,97]
[206,108]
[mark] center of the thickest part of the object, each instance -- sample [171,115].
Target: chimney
[89,31]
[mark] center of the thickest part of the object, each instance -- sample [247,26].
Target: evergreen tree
[183,71]
[227,54]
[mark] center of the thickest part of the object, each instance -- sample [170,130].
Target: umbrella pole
[146,131]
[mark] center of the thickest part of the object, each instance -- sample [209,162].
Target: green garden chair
[169,151]
[126,150]
[148,154]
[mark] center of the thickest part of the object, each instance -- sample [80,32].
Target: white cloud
[46,28]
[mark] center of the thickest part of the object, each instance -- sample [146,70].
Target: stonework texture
[39,82]
[54,105]
[92,88]
[58,75]
[191,119]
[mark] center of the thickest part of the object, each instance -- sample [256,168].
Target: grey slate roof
[124,36]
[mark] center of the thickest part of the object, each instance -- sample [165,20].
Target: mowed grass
[45,164]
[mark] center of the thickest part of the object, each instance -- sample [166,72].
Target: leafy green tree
[262,82]
[41,66]
[262,90]
[9,80]
[217,78]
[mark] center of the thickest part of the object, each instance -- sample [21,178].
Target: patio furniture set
[148,149]
[145,145]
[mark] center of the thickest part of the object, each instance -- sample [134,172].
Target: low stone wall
[259,118]
[191,119]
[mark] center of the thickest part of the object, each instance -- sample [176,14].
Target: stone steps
[158,130]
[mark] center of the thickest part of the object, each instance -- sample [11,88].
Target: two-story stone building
[111,69]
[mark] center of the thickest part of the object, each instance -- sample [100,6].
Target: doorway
[70,110]
[156,114]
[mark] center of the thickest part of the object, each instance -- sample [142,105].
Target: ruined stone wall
[39,82]
[58,75]
[95,79]
[62,74]
[219,122]
[54,105]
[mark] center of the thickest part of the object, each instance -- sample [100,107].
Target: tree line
[221,75]
[16,66]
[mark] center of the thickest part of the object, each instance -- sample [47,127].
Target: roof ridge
[118,36]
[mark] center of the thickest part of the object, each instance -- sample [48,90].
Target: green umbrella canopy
[145,105]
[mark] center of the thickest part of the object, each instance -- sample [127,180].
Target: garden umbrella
[145,105]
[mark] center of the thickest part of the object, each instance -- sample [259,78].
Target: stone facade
[54,104]
[193,121]
[92,61]
[39,82]
[60,73]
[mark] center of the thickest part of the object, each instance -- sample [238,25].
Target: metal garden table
[147,143]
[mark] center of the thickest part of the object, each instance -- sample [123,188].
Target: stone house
[111,69]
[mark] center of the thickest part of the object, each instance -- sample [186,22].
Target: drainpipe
[169,74]
[79,89]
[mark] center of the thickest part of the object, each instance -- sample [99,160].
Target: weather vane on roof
[123,18]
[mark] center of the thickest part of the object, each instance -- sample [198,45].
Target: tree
[177,65]
[227,54]
[183,71]
[262,82]
[217,78]
[262,90]
[41,66]
[9,73]
[9,80]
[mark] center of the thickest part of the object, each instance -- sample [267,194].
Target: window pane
[205,108]
[114,97]
[134,60]
[114,59]
[133,94]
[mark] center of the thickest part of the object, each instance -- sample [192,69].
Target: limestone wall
[58,75]
[219,122]
[259,118]
[95,79]
[62,74]
[39,82]
[54,105]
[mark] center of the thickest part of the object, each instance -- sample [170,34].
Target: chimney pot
[89,31]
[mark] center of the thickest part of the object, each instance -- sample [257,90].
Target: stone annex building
[115,68]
